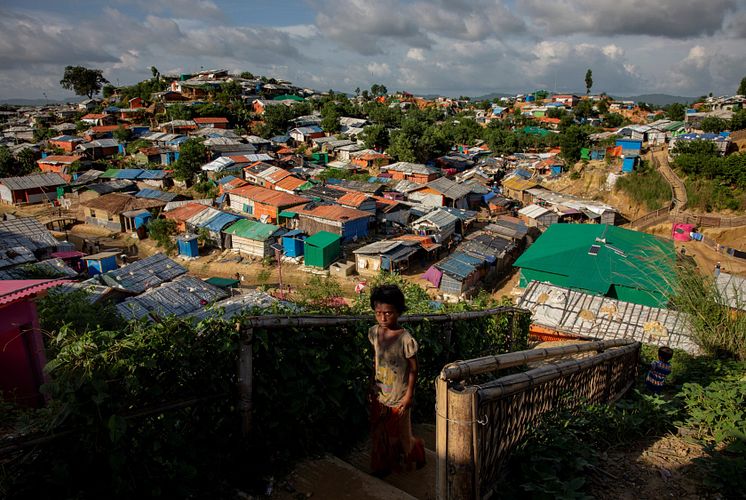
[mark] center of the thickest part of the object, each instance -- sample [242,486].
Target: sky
[446,47]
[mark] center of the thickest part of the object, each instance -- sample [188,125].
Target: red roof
[70,254]
[93,116]
[14,290]
[217,119]
[59,159]
[268,196]
[100,129]
[185,212]
[278,175]
[333,212]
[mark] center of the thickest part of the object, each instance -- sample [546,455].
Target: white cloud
[379,69]
[416,54]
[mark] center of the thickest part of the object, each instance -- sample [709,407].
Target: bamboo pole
[521,381]
[310,320]
[441,438]
[464,369]
[460,453]
[245,380]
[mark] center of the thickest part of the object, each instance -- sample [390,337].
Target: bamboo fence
[478,425]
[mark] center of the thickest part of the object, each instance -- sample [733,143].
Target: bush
[161,231]
[647,187]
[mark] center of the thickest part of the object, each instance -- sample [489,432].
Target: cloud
[714,66]
[667,18]
[416,54]
[379,69]
[187,9]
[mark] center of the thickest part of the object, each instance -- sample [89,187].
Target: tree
[588,81]
[108,90]
[676,111]
[21,165]
[330,118]
[122,134]
[247,75]
[376,137]
[357,91]
[83,81]
[613,120]
[584,109]
[738,122]
[378,90]
[161,231]
[572,141]
[192,155]
[742,87]
[156,74]
[713,124]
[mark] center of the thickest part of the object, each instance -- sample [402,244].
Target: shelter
[143,274]
[321,249]
[391,256]
[214,221]
[292,243]
[188,245]
[33,188]
[562,312]
[603,260]
[22,357]
[439,224]
[180,297]
[101,262]
[251,237]
[348,223]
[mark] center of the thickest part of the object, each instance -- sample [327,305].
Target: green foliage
[75,311]
[572,140]
[247,75]
[336,173]
[738,121]
[646,186]
[716,329]
[161,230]
[108,90]
[742,87]
[143,89]
[11,166]
[613,119]
[715,125]
[713,182]
[122,134]
[376,137]
[179,112]
[83,81]
[207,189]
[418,142]
[134,146]
[707,195]
[330,118]
[192,155]
[42,133]
[378,90]
[588,81]
[675,111]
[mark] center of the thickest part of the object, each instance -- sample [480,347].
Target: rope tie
[480,421]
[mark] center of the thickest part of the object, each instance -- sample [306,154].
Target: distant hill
[658,99]
[489,97]
[36,102]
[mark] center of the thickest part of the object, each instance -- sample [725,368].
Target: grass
[647,187]
[707,195]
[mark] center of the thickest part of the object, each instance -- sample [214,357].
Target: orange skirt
[394,448]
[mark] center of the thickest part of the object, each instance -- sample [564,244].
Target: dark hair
[388,294]
[665,353]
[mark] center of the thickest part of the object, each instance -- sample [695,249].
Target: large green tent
[321,249]
[603,260]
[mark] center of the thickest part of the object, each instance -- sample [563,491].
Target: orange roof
[425,242]
[278,175]
[290,183]
[93,116]
[555,150]
[59,159]
[269,196]
[216,119]
[333,212]
[546,119]
[372,156]
[185,212]
[353,199]
[107,128]
[285,151]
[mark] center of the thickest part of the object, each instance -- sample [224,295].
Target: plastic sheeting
[682,232]
[433,275]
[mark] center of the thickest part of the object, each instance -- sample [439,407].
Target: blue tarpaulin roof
[221,220]
[128,173]
[227,178]
[152,174]
[293,233]
[154,194]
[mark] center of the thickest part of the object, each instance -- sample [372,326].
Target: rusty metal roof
[268,196]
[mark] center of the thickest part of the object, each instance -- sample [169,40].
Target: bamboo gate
[479,424]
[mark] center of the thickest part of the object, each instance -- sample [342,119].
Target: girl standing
[394,446]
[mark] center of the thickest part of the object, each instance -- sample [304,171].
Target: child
[395,376]
[659,370]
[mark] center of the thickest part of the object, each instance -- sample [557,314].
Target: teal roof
[252,230]
[322,239]
[222,282]
[627,258]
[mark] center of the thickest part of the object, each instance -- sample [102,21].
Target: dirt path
[664,468]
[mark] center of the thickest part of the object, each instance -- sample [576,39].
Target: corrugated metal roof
[439,218]
[46,180]
[378,247]
[14,255]
[143,274]
[227,308]
[15,290]
[153,174]
[268,196]
[533,211]
[26,232]
[577,313]
[180,297]
[185,212]
[410,168]
[333,212]
[353,199]
[252,230]
[154,194]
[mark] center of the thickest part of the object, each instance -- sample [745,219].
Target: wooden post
[245,380]
[460,453]
[441,438]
